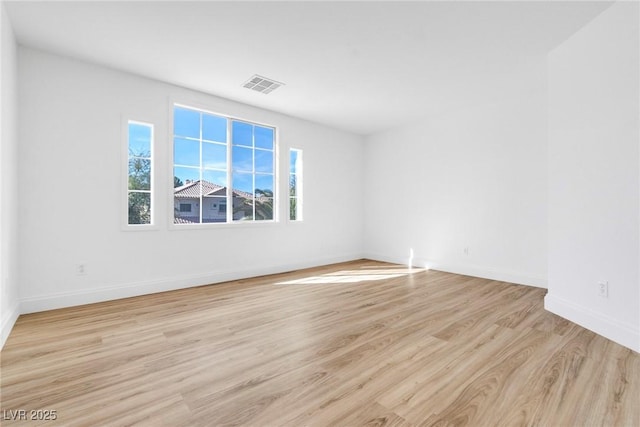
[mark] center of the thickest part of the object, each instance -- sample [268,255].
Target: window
[140,174]
[185,207]
[295,185]
[222,161]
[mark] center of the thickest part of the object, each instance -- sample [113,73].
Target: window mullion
[201,172]
[229,195]
[253,169]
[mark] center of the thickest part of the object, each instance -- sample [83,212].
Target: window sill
[141,227]
[222,225]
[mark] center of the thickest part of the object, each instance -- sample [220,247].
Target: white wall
[594,172]
[70,134]
[472,178]
[9,309]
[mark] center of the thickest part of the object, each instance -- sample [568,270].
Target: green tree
[177,182]
[264,204]
[293,200]
[139,187]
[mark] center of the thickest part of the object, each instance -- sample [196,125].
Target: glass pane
[214,156]
[293,208]
[139,174]
[242,159]
[186,122]
[214,181]
[264,185]
[186,210]
[264,208]
[293,187]
[243,182]
[183,176]
[242,197]
[242,133]
[214,128]
[214,209]
[139,208]
[264,161]
[139,140]
[264,137]
[293,158]
[186,152]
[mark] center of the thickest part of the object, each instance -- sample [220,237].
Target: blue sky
[139,140]
[251,145]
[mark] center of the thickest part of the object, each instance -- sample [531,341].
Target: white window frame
[299,185]
[194,105]
[126,121]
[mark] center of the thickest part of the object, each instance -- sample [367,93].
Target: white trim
[204,109]
[475,271]
[8,321]
[132,289]
[125,226]
[299,185]
[222,225]
[622,333]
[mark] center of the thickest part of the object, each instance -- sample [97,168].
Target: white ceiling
[357,66]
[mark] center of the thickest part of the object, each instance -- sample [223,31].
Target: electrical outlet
[603,289]
[81,269]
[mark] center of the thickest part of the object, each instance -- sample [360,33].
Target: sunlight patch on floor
[354,276]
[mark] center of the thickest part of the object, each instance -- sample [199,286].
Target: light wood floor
[361,343]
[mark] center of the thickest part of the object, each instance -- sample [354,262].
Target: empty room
[316,213]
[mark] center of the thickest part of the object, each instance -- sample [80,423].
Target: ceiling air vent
[262,84]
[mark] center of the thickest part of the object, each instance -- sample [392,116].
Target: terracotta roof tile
[192,190]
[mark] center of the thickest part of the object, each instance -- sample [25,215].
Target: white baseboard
[132,289]
[475,271]
[8,320]
[622,333]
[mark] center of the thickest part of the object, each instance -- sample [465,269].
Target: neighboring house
[214,203]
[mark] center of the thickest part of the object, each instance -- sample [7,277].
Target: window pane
[214,156]
[139,147]
[264,161]
[293,208]
[242,134]
[264,185]
[214,209]
[242,197]
[139,208]
[243,182]
[139,140]
[217,181]
[293,187]
[186,122]
[214,128]
[264,208]
[183,176]
[186,152]
[139,174]
[242,159]
[187,210]
[264,137]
